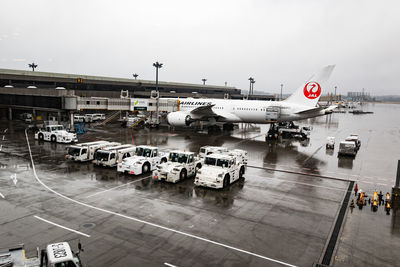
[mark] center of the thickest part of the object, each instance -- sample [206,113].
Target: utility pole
[281,90]
[33,66]
[204,81]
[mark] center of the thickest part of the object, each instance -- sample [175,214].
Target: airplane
[302,104]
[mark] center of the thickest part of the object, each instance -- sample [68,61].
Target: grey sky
[274,41]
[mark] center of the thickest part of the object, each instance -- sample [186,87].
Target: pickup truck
[145,160]
[55,133]
[180,165]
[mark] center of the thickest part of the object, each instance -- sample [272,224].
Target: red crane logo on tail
[312,90]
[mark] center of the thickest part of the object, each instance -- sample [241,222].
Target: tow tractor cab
[55,255]
[86,151]
[60,255]
[55,133]
[111,156]
[220,170]
[207,150]
[330,142]
[146,159]
[180,164]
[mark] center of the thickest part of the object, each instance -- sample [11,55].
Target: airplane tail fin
[309,93]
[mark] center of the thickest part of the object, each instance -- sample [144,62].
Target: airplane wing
[317,109]
[204,111]
[330,109]
[311,110]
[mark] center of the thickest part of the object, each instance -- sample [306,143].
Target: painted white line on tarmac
[169,264]
[294,182]
[122,185]
[63,227]
[1,195]
[145,222]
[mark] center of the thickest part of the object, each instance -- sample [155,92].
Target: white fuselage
[250,111]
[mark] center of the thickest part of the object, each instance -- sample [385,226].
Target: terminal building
[58,93]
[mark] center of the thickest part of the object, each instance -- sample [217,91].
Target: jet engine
[179,118]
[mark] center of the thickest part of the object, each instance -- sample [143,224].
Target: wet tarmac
[269,218]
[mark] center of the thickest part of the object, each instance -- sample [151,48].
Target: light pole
[157,65]
[252,86]
[135,75]
[281,90]
[33,66]
[204,81]
[250,79]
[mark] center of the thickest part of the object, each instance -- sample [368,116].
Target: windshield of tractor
[210,161]
[223,163]
[178,157]
[145,152]
[102,155]
[74,151]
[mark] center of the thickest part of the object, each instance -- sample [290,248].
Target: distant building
[359,96]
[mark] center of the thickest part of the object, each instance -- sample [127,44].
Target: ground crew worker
[380,196]
[387,197]
[387,208]
[355,190]
[352,205]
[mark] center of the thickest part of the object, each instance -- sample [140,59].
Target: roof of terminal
[53,76]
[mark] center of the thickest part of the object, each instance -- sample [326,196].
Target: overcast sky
[273,41]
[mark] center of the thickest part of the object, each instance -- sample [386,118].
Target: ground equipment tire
[183,175]
[53,138]
[41,137]
[226,181]
[145,168]
[241,172]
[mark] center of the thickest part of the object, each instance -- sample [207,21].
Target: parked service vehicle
[79,118]
[354,138]
[111,156]
[180,164]
[238,153]
[301,132]
[55,133]
[347,148]
[86,151]
[207,150]
[55,255]
[146,159]
[26,117]
[98,116]
[220,170]
[330,142]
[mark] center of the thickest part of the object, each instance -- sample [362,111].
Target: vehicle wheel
[145,168]
[226,181]
[163,160]
[241,172]
[182,175]
[41,137]
[198,167]
[53,138]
